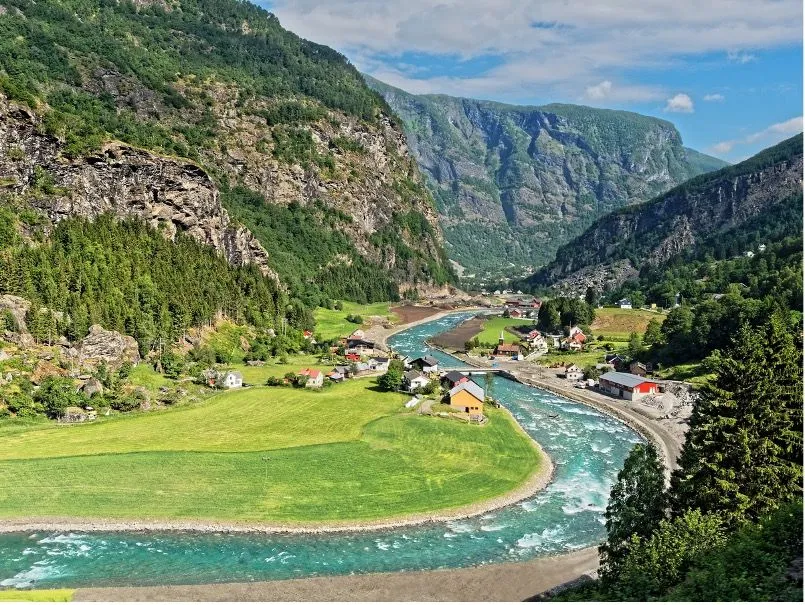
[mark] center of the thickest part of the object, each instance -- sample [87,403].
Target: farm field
[618,324]
[267,454]
[55,595]
[332,323]
[582,359]
[493,327]
[257,375]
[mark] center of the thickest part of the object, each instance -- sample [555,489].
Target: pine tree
[637,504]
[743,452]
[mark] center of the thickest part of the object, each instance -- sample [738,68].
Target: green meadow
[494,326]
[332,323]
[348,452]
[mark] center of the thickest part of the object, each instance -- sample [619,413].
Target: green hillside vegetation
[333,323]
[128,277]
[618,324]
[265,454]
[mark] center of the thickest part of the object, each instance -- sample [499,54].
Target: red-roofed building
[315,378]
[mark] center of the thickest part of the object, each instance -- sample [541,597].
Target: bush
[355,319]
[274,381]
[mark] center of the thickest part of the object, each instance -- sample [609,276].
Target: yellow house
[467,397]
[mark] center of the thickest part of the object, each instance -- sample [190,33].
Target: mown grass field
[493,327]
[264,454]
[257,375]
[56,595]
[618,324]
[331,323]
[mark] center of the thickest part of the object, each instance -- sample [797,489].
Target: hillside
[206,116]
[719,213]
[514,183]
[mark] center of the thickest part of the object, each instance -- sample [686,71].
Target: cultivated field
[266,454]
[620,323]
[332,323]
[493,327]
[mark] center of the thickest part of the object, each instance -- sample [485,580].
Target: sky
[727,73]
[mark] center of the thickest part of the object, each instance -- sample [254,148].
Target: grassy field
[493,327]
[331,323]
[264,454]
[55,595]
[588,357]
[257,375]
[618,324]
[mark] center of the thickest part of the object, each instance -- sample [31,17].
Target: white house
[426,364]
[232,380]
[315,378]
[625,303]
[414,380]
[379,364]
[574,372]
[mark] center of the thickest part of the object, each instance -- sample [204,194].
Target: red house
[352,357]
[627,386]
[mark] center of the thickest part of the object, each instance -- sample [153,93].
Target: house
[507,350]
[638,369]
[574,372]
[468,397]
[453,378]
[426,364]
[414,380]
[515,313]
[627,386]
[407,361]
[315,378]
[625,303]
[336,376]
[359,345]
[362,367]
[231,380]
[615,360]
[533,335]
[577,334]
[357,335]
[761,248]
[352,357]
[379,364]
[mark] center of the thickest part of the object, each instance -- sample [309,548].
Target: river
[587,447]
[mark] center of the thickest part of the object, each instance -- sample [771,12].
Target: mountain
[711,212]
[514,183]
[206,117]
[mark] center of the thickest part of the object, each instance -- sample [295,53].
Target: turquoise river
[587,447]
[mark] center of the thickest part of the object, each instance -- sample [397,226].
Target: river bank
[495,582]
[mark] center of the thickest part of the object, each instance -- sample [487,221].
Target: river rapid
[587,447]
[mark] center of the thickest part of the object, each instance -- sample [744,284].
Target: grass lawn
[42,596]
[618,324]
[694,373]
[331,323]
[257,375]
[348,452]
[493,327]
[582,359]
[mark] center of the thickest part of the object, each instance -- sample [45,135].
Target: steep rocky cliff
[120,94]
[167,193]
[513,183]
[647,235]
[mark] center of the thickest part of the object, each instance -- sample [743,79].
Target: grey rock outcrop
[106,346]
[168,193]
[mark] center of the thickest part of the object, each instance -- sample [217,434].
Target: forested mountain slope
[101,99]
[719,213]
[514,183]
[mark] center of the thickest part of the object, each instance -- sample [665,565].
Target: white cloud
[552,46]
[714,97]
[599,91]
[741,57]
[679,103]
[768,136]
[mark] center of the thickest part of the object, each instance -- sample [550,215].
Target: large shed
[627,386]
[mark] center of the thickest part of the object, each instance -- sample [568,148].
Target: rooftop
[622,378]
[469,386]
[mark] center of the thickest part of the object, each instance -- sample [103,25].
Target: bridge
[474,371]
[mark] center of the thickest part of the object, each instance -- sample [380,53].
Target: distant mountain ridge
[735,198]
[514,183]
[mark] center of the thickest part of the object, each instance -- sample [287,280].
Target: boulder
[45,369]
[74,414]
[107,345]
[92,387]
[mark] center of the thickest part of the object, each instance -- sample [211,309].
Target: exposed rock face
[45,369]
[514,183]
[167,193]
[617,245]
[106,345]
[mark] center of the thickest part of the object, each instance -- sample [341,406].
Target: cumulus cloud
[769,136]
[546,45]
[679,103]
[714,97]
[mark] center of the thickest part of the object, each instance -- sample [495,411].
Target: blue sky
[727,73]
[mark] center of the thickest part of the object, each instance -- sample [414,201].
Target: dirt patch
[499,582]
[410,313]
[453,340]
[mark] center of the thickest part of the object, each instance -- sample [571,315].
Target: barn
[627,386]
